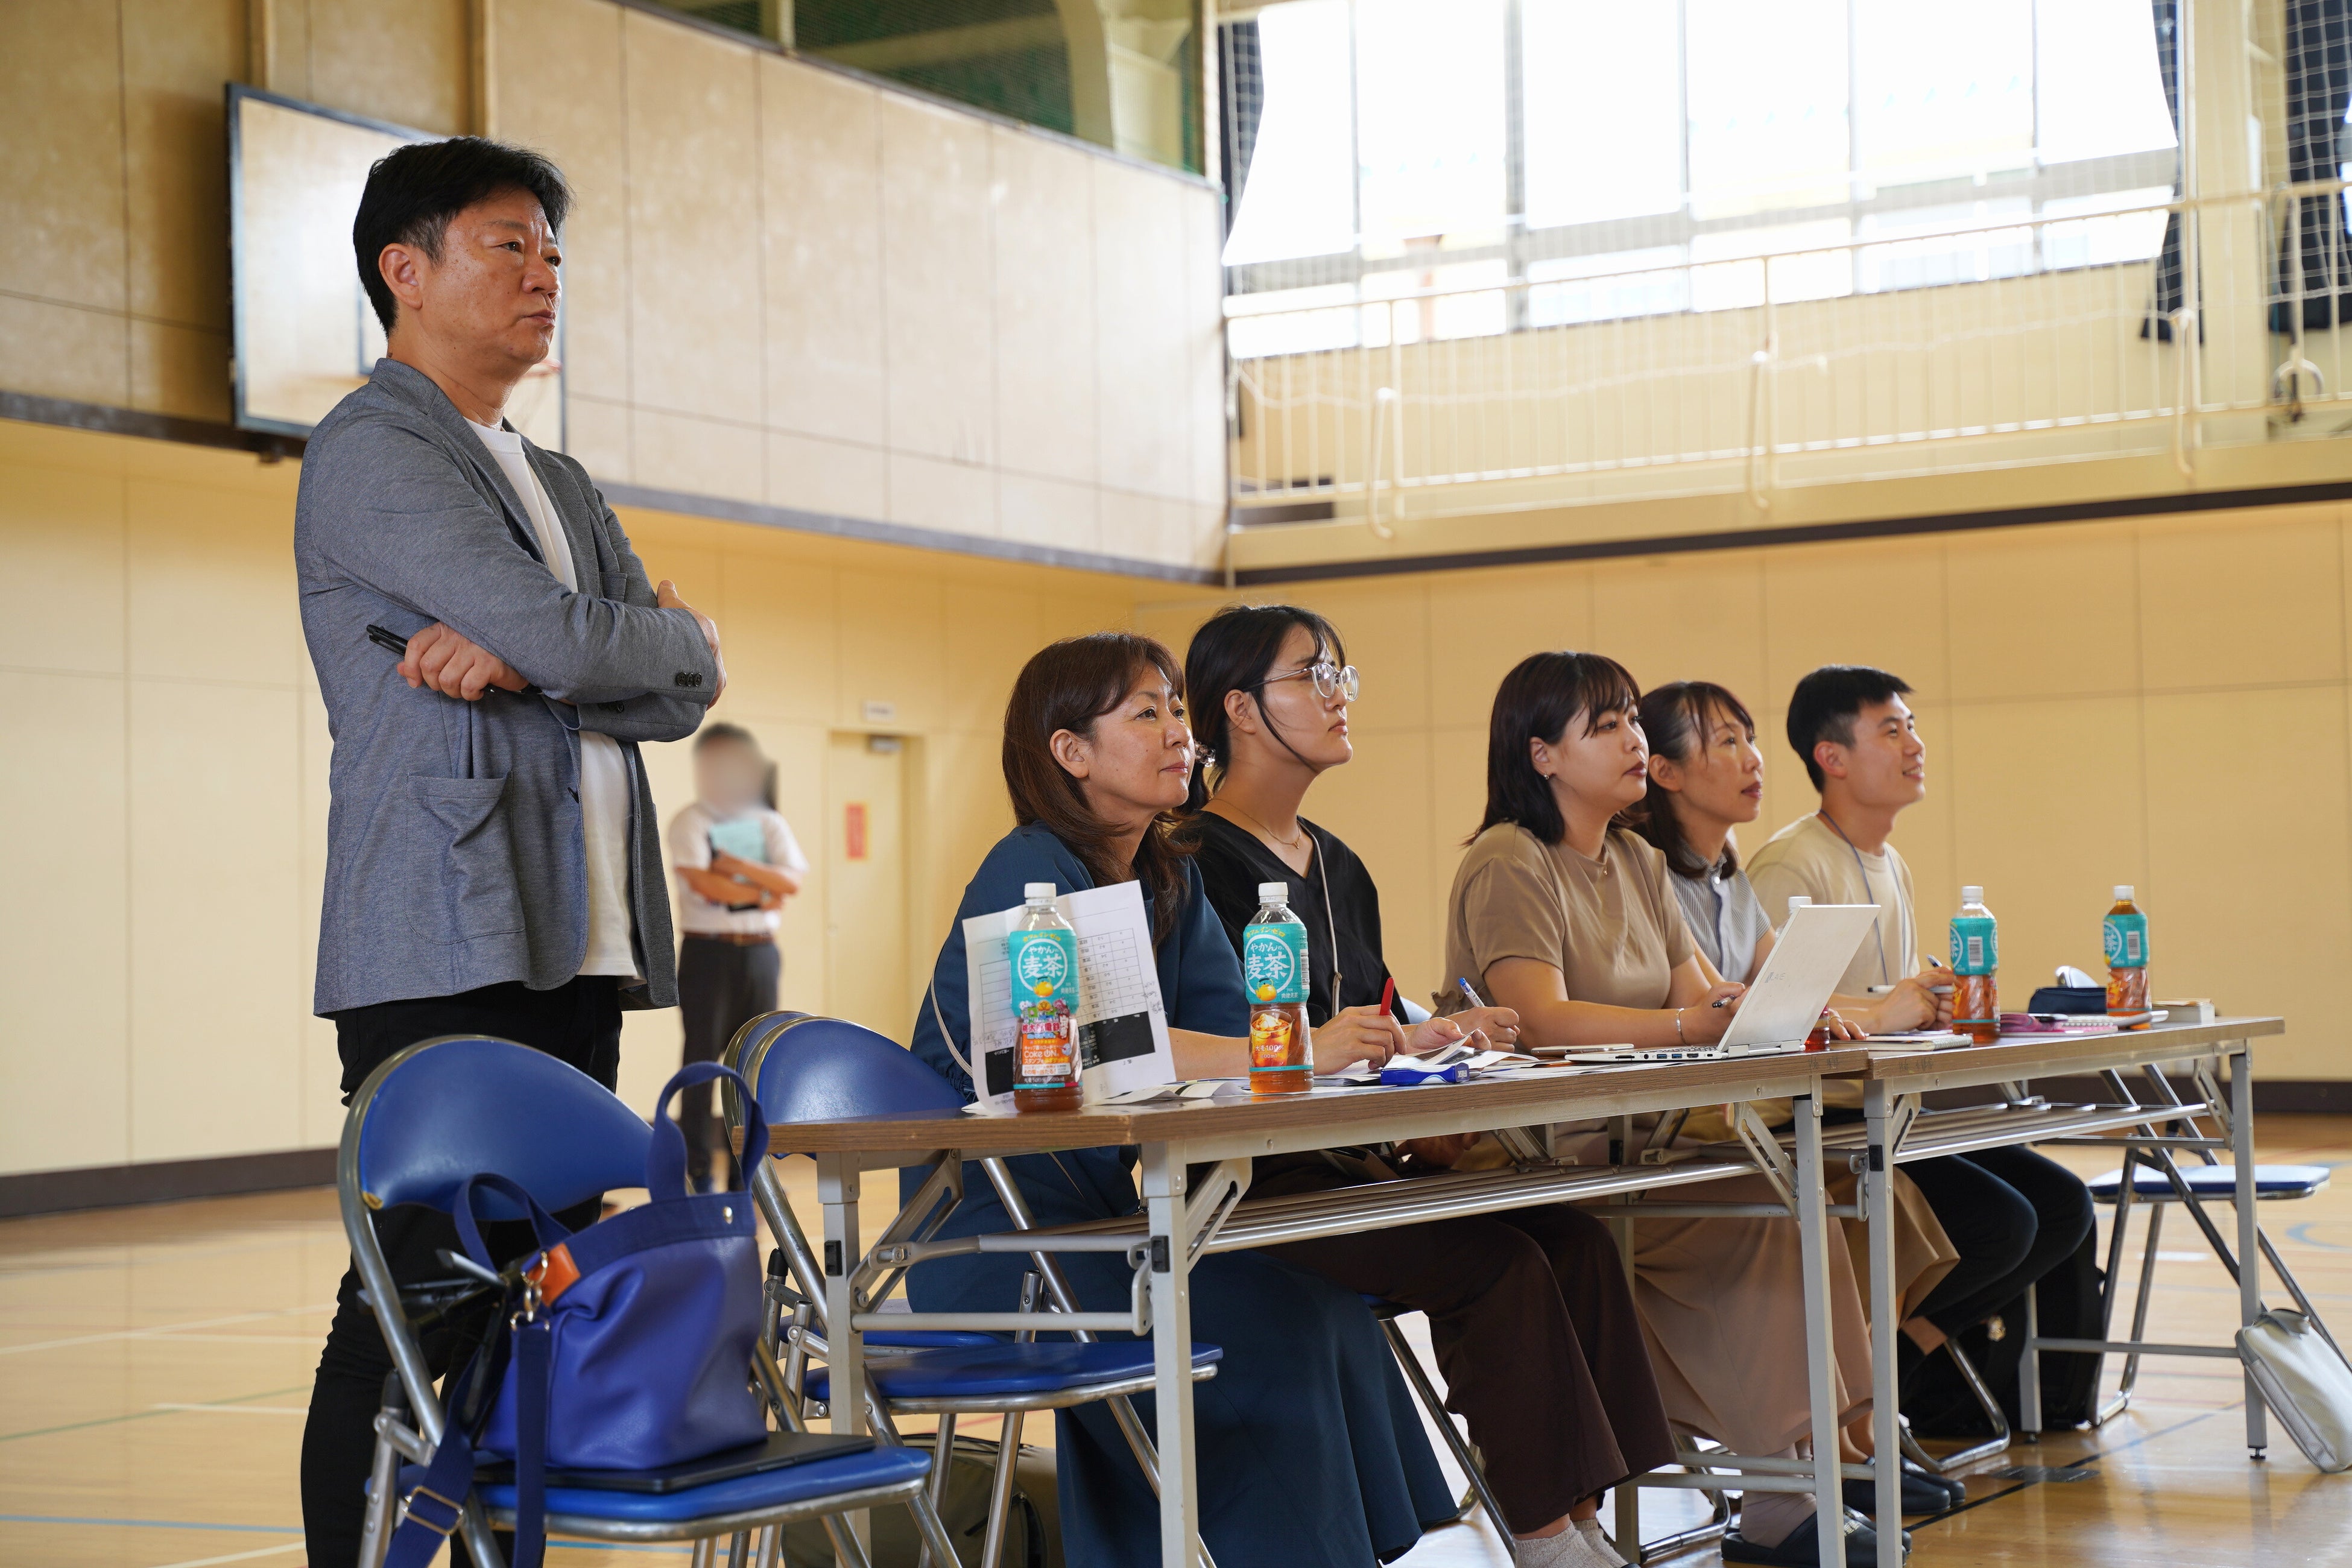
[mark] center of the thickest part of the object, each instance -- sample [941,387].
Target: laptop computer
[1786,1000]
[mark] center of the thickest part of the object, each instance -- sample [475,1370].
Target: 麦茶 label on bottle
[1274,963]
[2126,939]
[1975,945]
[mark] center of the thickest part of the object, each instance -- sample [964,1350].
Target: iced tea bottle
[1273,974]
[2125,936]
[1976,955]
[1043,951]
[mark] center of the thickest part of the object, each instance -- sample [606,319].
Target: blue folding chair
[807,1068]
[443,1110]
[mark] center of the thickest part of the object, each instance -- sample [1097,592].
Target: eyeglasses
[1330,680]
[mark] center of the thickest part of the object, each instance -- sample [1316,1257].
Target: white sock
[1566,1550]
[1596,1542]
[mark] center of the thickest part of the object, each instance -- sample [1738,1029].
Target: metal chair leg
[1426,1392]
[1985,1401]
[2147,1290]
[942,1455]
[1000,1489]
[771,1547]
[927,1525]
[706,1553]
[739,1550]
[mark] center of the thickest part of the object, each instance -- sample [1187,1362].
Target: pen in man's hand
[393,642]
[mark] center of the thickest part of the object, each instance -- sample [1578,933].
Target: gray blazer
[454,851]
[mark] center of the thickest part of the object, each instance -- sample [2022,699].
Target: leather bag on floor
[2066,1306]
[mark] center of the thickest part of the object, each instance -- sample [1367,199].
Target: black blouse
[1232,862]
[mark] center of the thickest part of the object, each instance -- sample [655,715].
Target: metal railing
[2028,339]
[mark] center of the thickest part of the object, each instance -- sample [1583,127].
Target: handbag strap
[666,1157]
[437,1503]
[544,1226]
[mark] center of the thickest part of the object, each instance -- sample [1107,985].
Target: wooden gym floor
[155,1363]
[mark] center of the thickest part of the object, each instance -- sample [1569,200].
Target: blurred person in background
[736,862]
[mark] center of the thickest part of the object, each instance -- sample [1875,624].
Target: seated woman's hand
[1499,1024]
[1357,1035]
[1704,1022]
[1840,1027]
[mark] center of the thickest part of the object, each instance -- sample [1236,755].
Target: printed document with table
[1122,1019]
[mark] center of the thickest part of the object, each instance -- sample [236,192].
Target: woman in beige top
[1560,913]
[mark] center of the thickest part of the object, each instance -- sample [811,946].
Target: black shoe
[1922,1493]
[1802,1548]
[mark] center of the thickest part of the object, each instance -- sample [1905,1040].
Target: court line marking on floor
[239,1409]
[235,1556]
[136,1415]
[161,1328]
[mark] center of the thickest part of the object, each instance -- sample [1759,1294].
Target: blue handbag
[627,1345]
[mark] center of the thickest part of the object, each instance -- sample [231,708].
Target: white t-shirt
[689,845]
[1808,857]
[607,793]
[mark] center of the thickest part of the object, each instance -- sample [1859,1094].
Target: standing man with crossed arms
[493,865]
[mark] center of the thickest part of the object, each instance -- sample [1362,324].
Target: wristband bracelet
[1678,1028]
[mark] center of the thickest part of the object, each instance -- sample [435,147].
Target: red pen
[1388,994]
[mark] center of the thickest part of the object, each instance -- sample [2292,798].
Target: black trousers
[721,987]
[2012,1215]
[579,1023]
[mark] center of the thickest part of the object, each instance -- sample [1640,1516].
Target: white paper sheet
[1119,1006]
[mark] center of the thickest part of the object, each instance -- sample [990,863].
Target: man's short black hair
[414,191]
[1826,703]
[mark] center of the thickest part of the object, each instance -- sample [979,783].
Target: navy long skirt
[1311,1453]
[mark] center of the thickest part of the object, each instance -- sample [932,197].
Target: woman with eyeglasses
[1311,1451]
[1529,1313]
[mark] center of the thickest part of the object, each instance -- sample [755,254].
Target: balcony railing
[2032,339]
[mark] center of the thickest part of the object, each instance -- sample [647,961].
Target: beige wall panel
[701,456]
[821,159]
[1174,623]
[991,631]
[216,987]
[836,477]
[61,186]
[2237,599]
[63,529]
[925,492]
[558,65]
[1386,625]
[1132,524]
[1204,287]
[1045,307]
[1379,804]
[404,63]
[1684,617]
[1048,511]
[2259,922]
[936,227]
[175,55]
[63,1040]
[180,370]
[694,234]
[2044,611]
[65,351]
[597,433]
[1879,603]
[799,754]
[2049,858]
[1483,623]
[893,649]
[210,560]
[776,628]
[1457,799]
[1142,348]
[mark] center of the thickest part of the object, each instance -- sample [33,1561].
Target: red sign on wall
[853,830]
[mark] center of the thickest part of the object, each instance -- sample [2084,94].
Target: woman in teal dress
[1310,1450]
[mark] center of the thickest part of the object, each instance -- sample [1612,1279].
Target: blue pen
[1475,1000]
